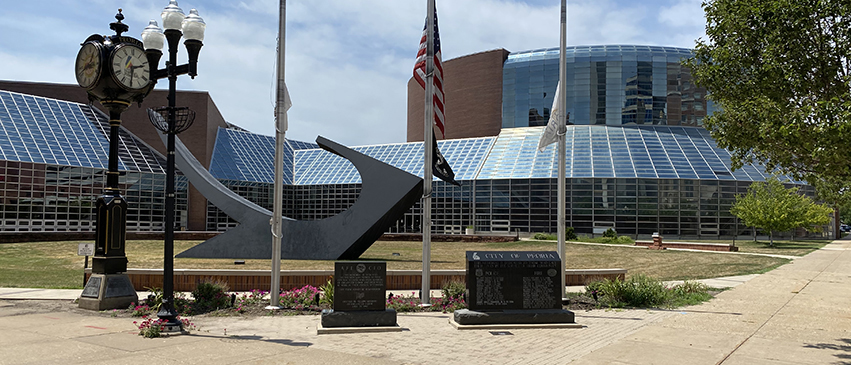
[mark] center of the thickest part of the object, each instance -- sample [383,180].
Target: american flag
[420,73]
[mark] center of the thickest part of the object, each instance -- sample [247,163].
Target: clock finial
[118,26]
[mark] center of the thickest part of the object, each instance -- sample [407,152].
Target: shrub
[250,299]
[454,290]
[152,328]
[155,300]
[453,297]
[327,293]
[570,234]
[210,295]
[544,236]
[689,293]
[302,298]
[404,303]
[637,291]
[139,310]
[620,240]
[447,304]
[610,233]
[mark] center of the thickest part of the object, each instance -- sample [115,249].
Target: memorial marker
[359,302]
[500,280]
[359,286]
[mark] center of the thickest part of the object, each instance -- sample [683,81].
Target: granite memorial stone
[514,288]
[359,286]
[359,300]
[511,280]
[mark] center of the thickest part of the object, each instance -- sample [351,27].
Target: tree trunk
[770,238]
[836,233]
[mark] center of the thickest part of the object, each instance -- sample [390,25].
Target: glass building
[638,159]
[609,84]
[53,163]
[636,179]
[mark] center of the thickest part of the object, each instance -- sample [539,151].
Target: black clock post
[114,71]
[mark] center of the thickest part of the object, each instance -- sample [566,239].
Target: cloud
[347,61]
[683,14]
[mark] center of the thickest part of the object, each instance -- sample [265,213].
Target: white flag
[282,108]
[550,134]
[287,102]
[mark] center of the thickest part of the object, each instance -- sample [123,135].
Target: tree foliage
[771,206]
[780,72]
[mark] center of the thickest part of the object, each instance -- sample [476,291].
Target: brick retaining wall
[693,246]
[246,280]
[15,237]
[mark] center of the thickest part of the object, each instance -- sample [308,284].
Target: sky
[347,61]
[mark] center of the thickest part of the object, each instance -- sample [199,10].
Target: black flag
[440,167]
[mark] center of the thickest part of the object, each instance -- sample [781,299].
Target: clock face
[130,67]
[88,65]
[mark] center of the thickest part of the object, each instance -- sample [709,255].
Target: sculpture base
[540,316]
[332,318]
[108,291]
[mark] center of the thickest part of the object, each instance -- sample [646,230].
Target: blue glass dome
[611,84]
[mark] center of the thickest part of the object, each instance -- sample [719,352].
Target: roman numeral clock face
[88,65]
[130,67]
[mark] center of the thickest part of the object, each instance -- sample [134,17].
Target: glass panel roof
[37,129]
[665,152]
[246,156]
[317,166]
[299,145]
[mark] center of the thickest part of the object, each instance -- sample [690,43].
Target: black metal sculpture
[386,194]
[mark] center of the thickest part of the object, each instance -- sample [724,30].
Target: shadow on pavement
[844,347]
[256,338]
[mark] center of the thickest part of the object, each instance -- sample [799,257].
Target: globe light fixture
[153,37]
[193,26]
[172,16]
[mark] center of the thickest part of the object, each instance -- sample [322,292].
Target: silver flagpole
[562,128]
[280,133]
[428,135]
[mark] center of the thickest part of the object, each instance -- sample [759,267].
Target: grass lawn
[56,264]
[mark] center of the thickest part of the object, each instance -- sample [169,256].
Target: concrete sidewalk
[796,314]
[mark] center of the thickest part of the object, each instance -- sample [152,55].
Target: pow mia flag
[441,168]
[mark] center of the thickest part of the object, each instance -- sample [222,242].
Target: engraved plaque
[92,287]
[498,280]
[119,286]
[359,286]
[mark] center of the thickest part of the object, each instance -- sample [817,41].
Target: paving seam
[777,311]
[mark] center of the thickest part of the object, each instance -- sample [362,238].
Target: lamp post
[172,120]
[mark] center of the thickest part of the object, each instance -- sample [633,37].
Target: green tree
[771,206]
[779,71]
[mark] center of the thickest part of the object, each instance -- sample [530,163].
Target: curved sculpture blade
[386,194]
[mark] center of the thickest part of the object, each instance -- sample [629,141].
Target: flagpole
[280,133]
[428,135]
[562,129]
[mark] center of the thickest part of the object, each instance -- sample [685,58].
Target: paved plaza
[796,314]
